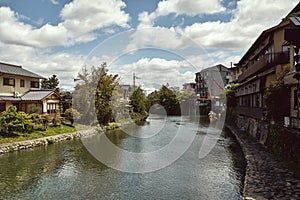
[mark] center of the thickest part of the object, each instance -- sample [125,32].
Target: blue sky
[161,41]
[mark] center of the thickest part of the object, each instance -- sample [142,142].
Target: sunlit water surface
[67,170]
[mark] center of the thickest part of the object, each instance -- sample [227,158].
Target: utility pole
[134,77]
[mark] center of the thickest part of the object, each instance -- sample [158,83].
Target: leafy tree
[51,83]
[231,100]
[231,103]
[71,115]
[169,101]
[167,98]
[93,95]
[107,83]
[12,121]
[187,101]
[138,102]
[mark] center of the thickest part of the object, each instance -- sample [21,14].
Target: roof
[218,67]
[36,95]
[9,98]
[17,70]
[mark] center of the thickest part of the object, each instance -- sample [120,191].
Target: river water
[67,170]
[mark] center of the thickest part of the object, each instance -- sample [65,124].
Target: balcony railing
[264,61]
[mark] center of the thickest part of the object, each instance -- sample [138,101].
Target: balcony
[264,61]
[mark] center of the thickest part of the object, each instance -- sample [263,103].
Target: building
[210,83]
[188,87]
[292,79]
[21,88]
[267,57]
[126,90]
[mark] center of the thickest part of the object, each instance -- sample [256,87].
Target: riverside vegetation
[96,90]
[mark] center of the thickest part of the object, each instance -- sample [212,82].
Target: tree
[169,101]
[93,95]
[51,83]
[138,101]
[167,98]
[13,121]
[107,83]
[71,115]
[231,103]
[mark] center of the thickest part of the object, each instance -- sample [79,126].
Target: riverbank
[27,144]
[266,177]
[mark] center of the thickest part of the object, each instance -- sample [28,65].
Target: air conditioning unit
[16,94]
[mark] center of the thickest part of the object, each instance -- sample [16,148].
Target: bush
[56,121]
[71,115]
[12,121]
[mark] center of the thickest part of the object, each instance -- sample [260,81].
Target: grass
[51,130]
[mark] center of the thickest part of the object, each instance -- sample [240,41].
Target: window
[295,99]
[9,81]
[34,84]
[22,83]
[2,107]
[52,108]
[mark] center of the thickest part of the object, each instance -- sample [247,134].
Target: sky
[162,42]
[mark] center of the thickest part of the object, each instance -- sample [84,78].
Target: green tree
[138,101]
[107,83]
[167,98]
[51,83]
[231,103]
[71,115]
[12,121]
[93,94]
[169,101]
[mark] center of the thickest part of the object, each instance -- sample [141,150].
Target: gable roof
[37,95]
[17,70]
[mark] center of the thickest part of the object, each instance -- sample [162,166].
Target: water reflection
[67,171]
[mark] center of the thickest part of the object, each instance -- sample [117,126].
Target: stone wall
[283,142]
[16,146]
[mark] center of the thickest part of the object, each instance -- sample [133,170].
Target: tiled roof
[32,95]
[9,98]
[17,70]
[36,95]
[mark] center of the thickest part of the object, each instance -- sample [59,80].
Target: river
[67,170]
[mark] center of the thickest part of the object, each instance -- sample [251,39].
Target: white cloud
[66,66]
[159,37]
[154,72]
[189,7]
[81,17]
[251,17]
[55,2]
[80,20]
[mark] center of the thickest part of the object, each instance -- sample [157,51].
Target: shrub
[71,115]
[12,121]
